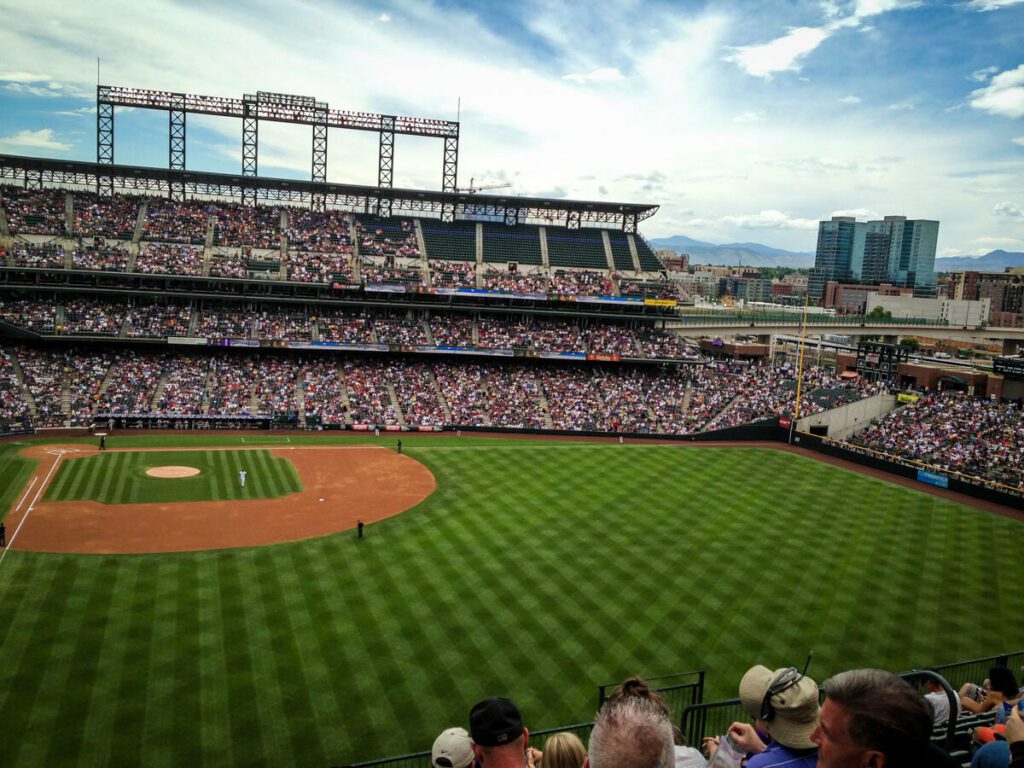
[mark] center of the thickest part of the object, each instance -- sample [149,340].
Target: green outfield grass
[536,570]
[119,477]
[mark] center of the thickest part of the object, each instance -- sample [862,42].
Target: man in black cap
[499,738]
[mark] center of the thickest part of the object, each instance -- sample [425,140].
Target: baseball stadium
[294,472]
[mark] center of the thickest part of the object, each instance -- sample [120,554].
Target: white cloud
[785,53]
[48,90]
[991,5]
[850,100]
[1018,140]
[861,214]
[24,77]
[602,75]
[82,111]
[867,8]
[902,106]
[41,139]
[1008,209]
[769,220]
[1003,96]
[750,117]
[981,75]
[780,55]
[384,18]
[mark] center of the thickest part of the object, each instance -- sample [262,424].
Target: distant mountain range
[733,254]
[994,261]
[758,255]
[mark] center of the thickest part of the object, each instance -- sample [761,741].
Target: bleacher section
[621,254]
[576,248]
[648,261]
[455,241]
[520,244]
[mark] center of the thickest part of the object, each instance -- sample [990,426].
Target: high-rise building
[840,244]
[896,250]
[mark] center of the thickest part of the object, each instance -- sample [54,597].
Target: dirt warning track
[355,483]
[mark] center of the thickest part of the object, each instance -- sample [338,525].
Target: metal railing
[708,317]
[699,719]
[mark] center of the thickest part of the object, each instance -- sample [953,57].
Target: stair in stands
[343,394]
[300,397]
[431,341]
[545,406]
[140,224]
[687,397]
[158,395]
[19,377]
[133,257]
[69,212]
[441,399]
[543,234]
[5,229]
[394,404]
[633,252]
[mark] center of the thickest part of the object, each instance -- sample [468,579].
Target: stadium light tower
[280,108]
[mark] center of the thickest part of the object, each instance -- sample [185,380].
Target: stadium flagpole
[800,367]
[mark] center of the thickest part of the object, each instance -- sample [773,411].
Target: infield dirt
[355,483]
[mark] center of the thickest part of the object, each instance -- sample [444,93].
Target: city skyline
[743,121]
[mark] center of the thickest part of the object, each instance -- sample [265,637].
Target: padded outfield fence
[699,719]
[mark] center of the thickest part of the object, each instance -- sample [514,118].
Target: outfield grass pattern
[537,570]
[117,477]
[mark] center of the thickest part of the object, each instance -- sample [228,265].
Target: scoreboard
[880,362]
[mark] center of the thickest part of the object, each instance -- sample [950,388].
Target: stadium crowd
[170,259]
[34,211]
[866,717]
[515,282]
[107,217]
[956,432]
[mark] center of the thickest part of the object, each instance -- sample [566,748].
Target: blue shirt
[778,755]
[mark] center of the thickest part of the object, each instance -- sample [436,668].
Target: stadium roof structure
[37,172]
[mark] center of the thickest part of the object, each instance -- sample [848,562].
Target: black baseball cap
[494,722]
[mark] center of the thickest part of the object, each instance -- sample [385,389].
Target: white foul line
[27,492]
[28,511]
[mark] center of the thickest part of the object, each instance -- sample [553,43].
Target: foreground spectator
[561,750]
[874,718]
[499,738]
[784,706]
[631,732]
[452,749]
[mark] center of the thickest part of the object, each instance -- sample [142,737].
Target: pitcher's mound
[172,471]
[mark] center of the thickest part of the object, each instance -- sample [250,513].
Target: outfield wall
[914,470]
[844,421]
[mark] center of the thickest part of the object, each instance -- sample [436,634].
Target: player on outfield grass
[241,477]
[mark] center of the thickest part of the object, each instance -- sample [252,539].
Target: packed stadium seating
[956,432]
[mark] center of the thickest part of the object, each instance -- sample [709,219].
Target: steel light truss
[104,140]
[284,108]
[385,164]
[176,145]
[450,172]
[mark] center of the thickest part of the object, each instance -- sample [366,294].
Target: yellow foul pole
[800,365]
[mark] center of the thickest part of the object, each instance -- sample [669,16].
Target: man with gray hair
[631,732]
[875,719]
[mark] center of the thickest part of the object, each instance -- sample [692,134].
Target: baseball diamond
[309,652]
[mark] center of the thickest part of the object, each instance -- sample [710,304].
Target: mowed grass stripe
[119,477]
[538,573]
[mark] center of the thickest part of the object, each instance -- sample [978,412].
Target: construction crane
[472,189]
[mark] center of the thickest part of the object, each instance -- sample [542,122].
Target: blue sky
[745,121]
